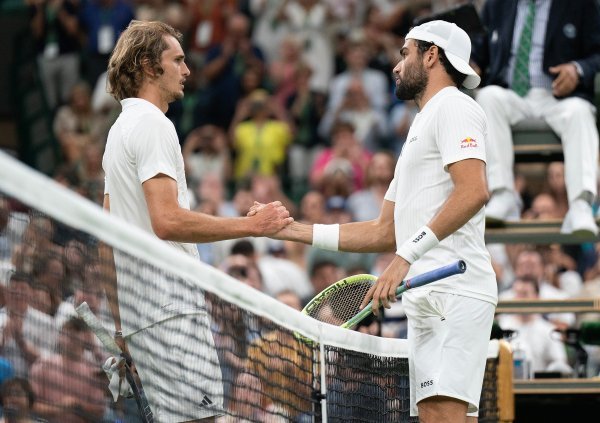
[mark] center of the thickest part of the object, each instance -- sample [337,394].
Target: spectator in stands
[539,60]
[37,240]
[283,361]
[102,22]
[283,70]
[561,269]
[370,123]
[260,143]
[76,125]
[208,26]
[309,21]
[359,95]
[357,79]
[312,210]
[5,241]
[247,401]
[381,42]
[55,26]
[336,210]
[345,154]
[555,186]
[206,150]
[88,289]
[268,188]
[306,107]
[312,207]
[67,386]
[401,117]
[366,204]
[18,401]
[212,188]
[223,70]
[290,298]
[49,273]
[15,346]
[543,207]
[535,334]
[324,273]
[530,263]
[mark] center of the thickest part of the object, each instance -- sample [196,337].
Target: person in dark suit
[538,59]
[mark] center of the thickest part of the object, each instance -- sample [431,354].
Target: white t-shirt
[451,127]
[542,347]
[141,144]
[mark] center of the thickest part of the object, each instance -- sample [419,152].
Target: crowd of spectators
[288,100]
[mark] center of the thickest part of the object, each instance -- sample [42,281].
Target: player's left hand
[566,80]
[255,208]
[384,291]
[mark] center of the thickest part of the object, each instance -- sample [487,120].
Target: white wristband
[326,237]
[414,247]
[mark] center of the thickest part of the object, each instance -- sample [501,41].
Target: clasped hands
[270,219]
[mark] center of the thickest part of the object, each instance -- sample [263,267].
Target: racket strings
[342,304]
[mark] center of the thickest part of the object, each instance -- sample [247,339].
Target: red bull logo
[468,143]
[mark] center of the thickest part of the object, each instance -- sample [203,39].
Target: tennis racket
[339,303]
[109,343]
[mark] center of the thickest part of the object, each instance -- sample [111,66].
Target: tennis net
[202,342]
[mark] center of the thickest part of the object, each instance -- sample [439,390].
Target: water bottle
[520,362]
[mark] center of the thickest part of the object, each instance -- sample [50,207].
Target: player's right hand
[269,218]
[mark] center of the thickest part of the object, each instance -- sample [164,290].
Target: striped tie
[520,83]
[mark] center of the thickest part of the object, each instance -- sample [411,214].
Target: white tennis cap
[455,42]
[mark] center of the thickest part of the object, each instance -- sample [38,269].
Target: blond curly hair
[141,42]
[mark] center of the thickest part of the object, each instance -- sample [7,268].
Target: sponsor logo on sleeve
[468,143]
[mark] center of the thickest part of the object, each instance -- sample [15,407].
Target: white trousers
[573,119]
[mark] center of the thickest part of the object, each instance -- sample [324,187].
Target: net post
[506,397]
[323,383]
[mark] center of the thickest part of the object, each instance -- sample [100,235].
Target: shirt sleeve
[390,194]
[461,130]
[155,149]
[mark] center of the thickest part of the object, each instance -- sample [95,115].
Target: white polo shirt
[141,144]
[451,127]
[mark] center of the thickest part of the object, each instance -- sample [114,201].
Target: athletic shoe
[579,220]
[504,206]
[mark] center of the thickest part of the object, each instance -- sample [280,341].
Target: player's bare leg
[442,409]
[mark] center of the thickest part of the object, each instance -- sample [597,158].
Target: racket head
[339,302]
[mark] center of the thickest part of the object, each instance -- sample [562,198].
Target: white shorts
[179,369]
[448,343]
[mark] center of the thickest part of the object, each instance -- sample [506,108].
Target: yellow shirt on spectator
[260,149]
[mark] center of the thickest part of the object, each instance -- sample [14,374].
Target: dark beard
[412,86]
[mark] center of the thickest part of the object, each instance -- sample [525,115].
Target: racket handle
[358,317]
[440,273]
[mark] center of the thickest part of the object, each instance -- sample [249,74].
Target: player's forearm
[365,237]
[373,236]
[188,226]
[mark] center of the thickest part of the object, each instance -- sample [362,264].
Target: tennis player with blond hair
[432,215]
[164,322]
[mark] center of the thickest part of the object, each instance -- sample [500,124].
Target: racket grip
[440,273]
[359,317]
